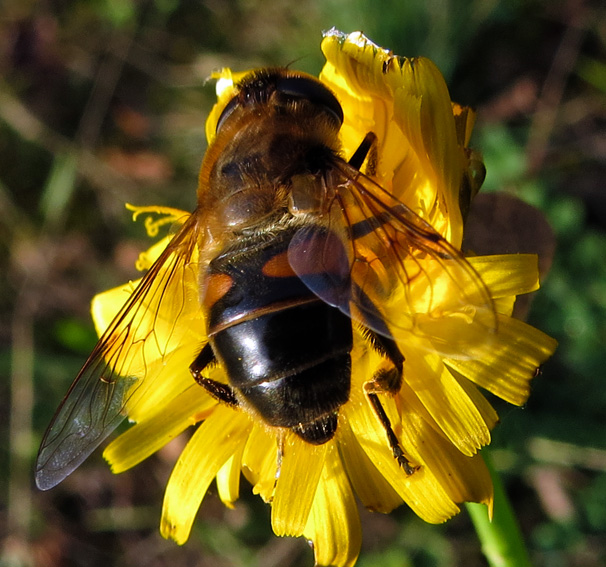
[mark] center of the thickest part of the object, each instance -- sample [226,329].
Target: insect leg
[222,392]
[385,380]
[394,444]
[368,147]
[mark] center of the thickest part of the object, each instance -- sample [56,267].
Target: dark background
[104,102]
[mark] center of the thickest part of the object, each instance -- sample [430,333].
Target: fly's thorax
[265,140]
[253,176]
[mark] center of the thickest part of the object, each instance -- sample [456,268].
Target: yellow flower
[439,416]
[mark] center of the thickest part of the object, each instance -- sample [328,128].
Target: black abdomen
[286,352]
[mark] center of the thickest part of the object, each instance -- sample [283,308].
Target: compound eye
[312,90]
[227,112]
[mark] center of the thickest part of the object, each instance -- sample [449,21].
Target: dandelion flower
[439,415]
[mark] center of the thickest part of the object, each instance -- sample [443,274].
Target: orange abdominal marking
[217,286]
[278,266]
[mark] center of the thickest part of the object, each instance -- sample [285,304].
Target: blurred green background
[104,101]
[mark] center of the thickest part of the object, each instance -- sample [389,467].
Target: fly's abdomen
[286,352]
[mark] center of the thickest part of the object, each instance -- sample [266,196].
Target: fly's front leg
[367,149]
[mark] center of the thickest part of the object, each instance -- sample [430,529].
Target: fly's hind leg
[387,379]
[394,443]
[222,392]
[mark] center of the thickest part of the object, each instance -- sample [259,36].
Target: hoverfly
[292,246]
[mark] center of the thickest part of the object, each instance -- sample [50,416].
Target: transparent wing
[377,261]
[150,325]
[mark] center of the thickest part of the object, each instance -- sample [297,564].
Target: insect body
[294,247]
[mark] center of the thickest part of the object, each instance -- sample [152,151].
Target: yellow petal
[217,439]
[299,475]
[164,380]
[334,523]
[508,274]
[145,438]
[228,478]
[105,305]
[260,461]
[369,484]
[446,401]
[489,415]
[505,305]
[421,491]
[409,95]
[509,361]
[464,478]
[433,128]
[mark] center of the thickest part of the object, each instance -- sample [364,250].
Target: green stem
[502,541]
